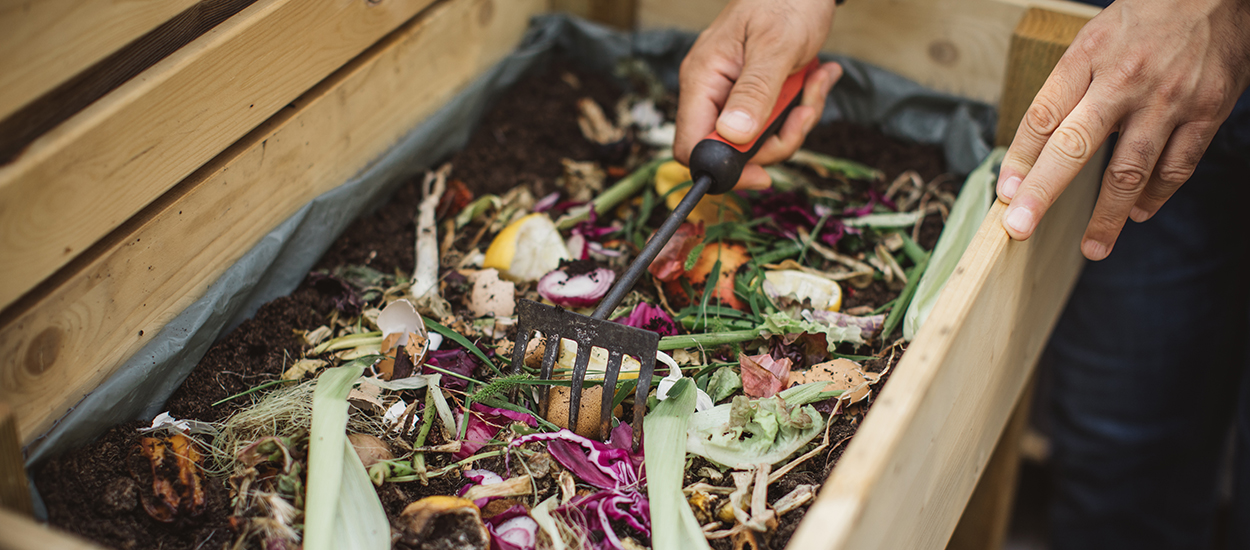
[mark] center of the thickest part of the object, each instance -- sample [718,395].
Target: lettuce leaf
[747,431]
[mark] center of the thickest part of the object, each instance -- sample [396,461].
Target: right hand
[732,77]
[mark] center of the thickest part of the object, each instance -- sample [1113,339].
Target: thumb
[753,94]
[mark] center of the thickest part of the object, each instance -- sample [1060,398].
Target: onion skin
[577,290]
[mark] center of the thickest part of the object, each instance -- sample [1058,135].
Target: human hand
[732,77]
[1165,74]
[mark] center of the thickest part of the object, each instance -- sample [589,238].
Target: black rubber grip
[723,163]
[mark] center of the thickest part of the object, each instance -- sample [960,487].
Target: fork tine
[609,392]
[575,386]
[645,369]
[518,349]
[550,354]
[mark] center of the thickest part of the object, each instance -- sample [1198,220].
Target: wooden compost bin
[145,146]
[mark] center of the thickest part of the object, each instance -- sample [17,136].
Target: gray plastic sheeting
[279,262]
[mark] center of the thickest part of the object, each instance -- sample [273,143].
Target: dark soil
[92,492]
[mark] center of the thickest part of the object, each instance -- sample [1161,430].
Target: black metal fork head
[555,324]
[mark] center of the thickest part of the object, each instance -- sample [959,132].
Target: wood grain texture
[14,491]
[19,129]
[107,309]
[906,476]
[984,523]
[954,46]
[909,472]
[46,42]
[621,14]
[1039,42]
[80,181]
[20,533]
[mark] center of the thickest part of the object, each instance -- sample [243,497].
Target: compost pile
[376,406]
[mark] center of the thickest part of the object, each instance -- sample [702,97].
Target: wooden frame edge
[83,330]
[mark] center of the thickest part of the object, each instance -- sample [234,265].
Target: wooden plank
[134,144]
[108,308]
[985,519]
[954,46]
[1038,43]
[20,533]
[45,43]
[907,475]
[14,491]
[621,14]
[23,126]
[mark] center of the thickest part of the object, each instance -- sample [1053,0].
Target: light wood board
[84,329]
[83,179]
[53,107]
[909,472]
[955,46]
[14,491]
[20,533]
[906,476]
[45,43]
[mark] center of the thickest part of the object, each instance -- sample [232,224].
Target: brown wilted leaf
[841,374]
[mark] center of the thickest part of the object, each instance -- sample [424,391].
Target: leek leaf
[673,526]
[970,208]
[341,508]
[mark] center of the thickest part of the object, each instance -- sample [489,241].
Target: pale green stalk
[623,189]
[961,226]
[347,342]
[341,510]
[673,525]
[706,340]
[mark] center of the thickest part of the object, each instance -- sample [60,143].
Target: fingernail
[1020,219]
[1010,186]
[1094,250]
[1138,214]
[738,121]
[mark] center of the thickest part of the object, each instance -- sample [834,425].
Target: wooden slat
[20,533]
[1038,43]
[23,126]
[908,473]
[80,181]
[987,516]
[14,492]
[910,470]
[45,43]
[621,14]
[67,343]
[955,46]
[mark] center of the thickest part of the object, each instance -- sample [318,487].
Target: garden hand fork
[715,165]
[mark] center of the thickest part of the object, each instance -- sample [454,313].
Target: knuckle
[1174,174]
[1208,102]
[1124,180]
[1041,118]
[1071,142]
[1132,69]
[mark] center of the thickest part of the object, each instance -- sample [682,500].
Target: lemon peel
[820,292]
[711,210]
[526,249]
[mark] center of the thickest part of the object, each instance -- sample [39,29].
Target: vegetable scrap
[406,388]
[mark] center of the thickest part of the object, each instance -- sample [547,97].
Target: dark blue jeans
[1147,372]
